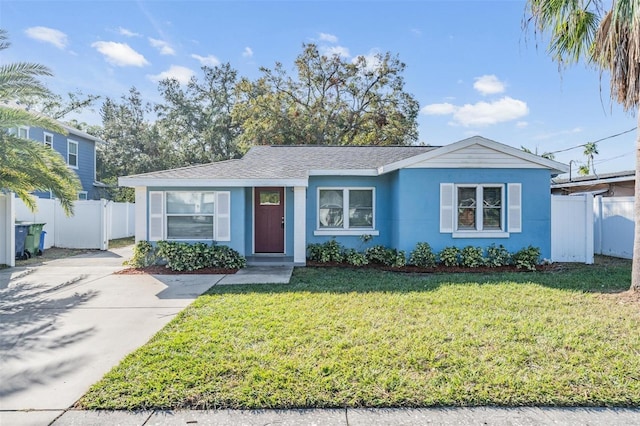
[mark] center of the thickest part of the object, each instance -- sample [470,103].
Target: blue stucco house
[79,152]
[277,199]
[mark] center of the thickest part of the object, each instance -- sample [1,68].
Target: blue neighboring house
[276,200]
[79,152]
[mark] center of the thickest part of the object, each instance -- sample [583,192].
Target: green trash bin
[32,242]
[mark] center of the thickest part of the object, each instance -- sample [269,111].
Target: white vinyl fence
[572,228]
[614,226]
[93,224]
[7,235]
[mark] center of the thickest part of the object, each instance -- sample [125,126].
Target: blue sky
[469,64]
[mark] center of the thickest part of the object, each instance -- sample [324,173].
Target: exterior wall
[86,158]
[237,215]
[418,207]
[383,212]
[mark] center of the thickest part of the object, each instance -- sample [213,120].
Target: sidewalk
[492,416]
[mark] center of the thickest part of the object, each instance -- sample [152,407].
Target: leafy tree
[57,107]
[330,102]
[610,41]
[198,118]
[25,165]
[133,143]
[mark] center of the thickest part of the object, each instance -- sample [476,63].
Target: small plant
[497,256]
[329,251]
[527,258]
[422,256]
[471,257]
[227,258]
[144,254]
[381,255]
[355,258]
[450,256]
[400,259]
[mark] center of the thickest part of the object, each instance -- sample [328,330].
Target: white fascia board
[592,182]
[476,140]
[85,135]
[201,183]
[344,172]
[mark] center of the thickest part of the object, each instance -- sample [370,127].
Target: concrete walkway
[67,322]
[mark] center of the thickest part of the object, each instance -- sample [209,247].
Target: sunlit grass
[336,338]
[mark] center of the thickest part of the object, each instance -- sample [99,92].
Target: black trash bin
[21,236]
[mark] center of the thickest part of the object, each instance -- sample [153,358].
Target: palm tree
[608,40]
[590,149]
[25,165]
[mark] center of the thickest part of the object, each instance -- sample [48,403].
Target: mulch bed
[163,270]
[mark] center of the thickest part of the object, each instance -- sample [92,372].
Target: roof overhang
[555,167]
[593,182]
[133,182]
[344,172]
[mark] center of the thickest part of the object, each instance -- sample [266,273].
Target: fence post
[104,213]
[588,211]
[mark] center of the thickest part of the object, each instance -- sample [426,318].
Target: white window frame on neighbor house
[83,195]
[76,154]
[346,228]
[159,216]
[510,210]
[22,132]
[47,139]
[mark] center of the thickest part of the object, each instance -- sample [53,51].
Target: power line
[599,140]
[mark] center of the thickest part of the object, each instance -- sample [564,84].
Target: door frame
[253,222]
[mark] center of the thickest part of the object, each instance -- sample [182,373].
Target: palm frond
[14,117]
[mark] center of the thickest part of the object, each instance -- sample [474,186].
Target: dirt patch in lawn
[163,270]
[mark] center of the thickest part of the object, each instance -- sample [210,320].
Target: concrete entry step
[259,275]
[270,260]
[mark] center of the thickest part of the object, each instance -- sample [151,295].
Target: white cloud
[521,124]
[208,60]
[416,32]
[127,33]
[120,54]
[336,50]
[481,113]
[488,85]
[438,109]
[176,72]
[372,61]
[48,35]
[330,38]
[558,133]
[247,52]
[163,47]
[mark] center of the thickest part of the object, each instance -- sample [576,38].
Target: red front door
[269,220]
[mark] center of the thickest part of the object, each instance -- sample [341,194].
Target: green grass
[336,338]
[122,242]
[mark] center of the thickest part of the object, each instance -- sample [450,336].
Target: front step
[270,261]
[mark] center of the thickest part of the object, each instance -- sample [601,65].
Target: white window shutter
[446,207]
[156,215]
[223,216]
[514,199]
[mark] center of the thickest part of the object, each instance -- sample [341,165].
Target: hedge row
[185,256]
[424,257]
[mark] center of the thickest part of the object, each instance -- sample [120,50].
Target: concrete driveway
[64,324]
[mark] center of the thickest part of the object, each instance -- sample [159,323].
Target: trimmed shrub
[422,256]
[450,256]
[380,255]
[497,256]
[400,259]
[329,251]
[527,258]
[190,257]
[144,254]
[471,257]
[355,258]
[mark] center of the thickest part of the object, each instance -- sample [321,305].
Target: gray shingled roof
[293,162]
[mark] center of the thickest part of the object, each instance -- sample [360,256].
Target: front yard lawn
[365,338]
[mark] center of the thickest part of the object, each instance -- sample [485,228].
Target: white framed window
[491,210]
[82,195]
[23,132]
[346,211]
[72,153]
[48,140]
[189,215]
